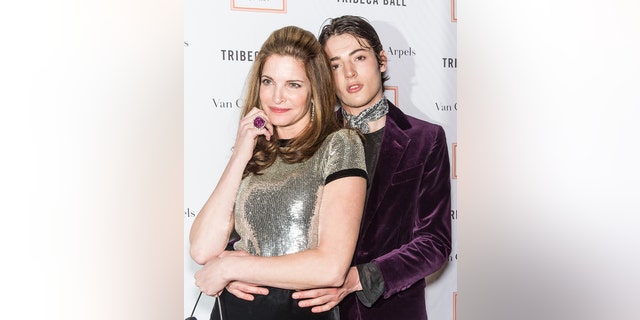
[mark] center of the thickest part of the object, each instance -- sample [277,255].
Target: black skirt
[277,305]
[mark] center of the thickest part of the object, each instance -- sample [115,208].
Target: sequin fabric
[276,213]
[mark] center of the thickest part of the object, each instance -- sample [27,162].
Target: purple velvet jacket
[406,227]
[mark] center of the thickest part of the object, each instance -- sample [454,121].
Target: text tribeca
[397,3]
[238,55]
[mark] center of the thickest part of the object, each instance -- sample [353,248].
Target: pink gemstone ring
[258,122]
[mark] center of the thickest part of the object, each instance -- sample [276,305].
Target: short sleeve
[343,155]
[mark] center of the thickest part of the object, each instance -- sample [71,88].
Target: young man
[406,227]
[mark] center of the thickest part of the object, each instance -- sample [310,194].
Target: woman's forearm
[340,213]
[211,228]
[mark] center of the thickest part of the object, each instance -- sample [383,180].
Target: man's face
[356,72]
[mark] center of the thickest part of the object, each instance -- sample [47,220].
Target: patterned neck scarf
[373,113]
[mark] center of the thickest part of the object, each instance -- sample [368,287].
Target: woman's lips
[278,110]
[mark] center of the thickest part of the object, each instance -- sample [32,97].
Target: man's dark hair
[359,28]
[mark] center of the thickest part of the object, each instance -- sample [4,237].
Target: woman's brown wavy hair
[302,45]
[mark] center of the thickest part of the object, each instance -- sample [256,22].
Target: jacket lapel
[392,149]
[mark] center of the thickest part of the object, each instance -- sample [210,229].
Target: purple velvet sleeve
[429,244]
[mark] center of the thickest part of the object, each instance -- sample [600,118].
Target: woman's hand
[248,133]
[209,278]
[210,281]
[243,290]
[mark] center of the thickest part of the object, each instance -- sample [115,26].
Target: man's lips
[354,88]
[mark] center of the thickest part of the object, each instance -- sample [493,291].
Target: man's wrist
[353,280]
[371,282]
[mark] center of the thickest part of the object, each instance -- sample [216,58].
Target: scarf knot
[373,113]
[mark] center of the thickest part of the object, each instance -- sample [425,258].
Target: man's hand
[320,299]
[245,291]
[324,299]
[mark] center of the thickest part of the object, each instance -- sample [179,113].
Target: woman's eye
[266,81]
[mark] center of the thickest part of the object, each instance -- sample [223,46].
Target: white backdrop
[221,39]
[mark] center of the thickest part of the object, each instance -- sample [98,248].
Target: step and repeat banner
[221,41]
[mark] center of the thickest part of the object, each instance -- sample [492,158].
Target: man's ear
[383,61]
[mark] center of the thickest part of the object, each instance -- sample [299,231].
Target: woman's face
[284,95]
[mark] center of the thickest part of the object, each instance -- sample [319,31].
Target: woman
[293,189]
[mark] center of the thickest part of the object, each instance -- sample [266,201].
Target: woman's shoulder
[342,149]
[343,141]
[344,135]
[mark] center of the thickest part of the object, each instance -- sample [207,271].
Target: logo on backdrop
[447,107]
[449,63]
[401,52]
[226,104]
[394,3]
[238,55]
[189,213]
[274,6]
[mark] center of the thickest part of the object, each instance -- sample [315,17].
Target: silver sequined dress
[276,213]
